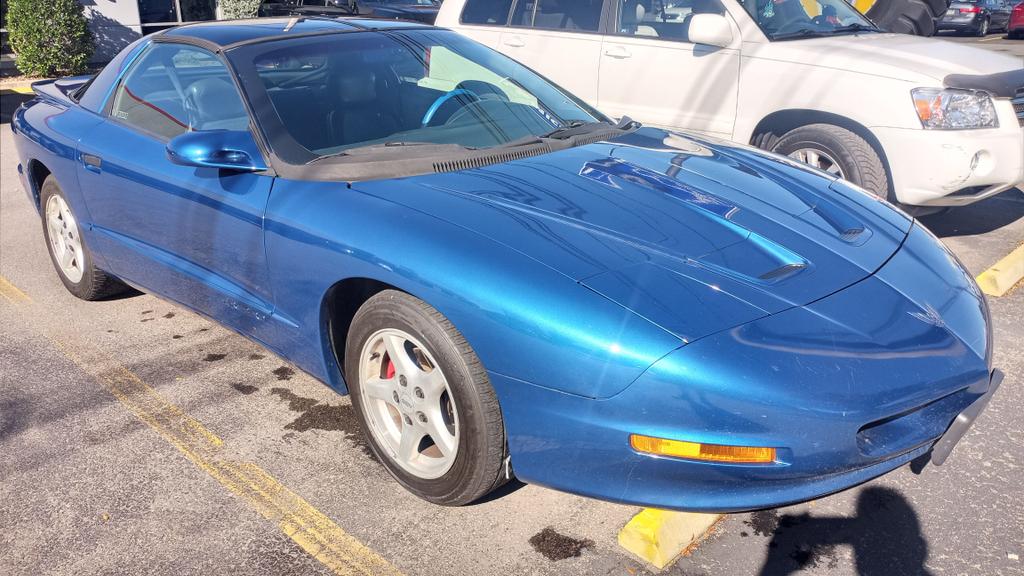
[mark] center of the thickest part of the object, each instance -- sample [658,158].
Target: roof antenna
[292,22]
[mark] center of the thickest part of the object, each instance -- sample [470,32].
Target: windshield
[789,19]
[333,94]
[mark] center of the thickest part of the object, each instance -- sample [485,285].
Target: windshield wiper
[856,27]
[801,33]
[383,147]
[577,127]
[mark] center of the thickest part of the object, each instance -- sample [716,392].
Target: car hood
[898,56]
[695,235]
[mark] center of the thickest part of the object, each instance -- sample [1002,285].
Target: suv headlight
[953,109]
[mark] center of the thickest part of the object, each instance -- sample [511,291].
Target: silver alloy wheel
[64,238]
[818,159]
[407,403]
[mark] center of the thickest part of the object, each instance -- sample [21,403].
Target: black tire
[95,284]
[982,30]
[918,17]
[478,467]
[858,161]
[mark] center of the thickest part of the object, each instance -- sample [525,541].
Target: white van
[923,121]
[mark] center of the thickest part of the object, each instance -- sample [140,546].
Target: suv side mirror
[226,149]
[710,29]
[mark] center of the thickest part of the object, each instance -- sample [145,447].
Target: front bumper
[846,389]
[955,167]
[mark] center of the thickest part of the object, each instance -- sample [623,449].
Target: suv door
[194,235]
[650,71]
[560,39]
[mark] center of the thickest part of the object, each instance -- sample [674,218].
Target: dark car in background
[977,17]
[418,10]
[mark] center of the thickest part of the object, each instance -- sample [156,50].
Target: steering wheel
[444,98]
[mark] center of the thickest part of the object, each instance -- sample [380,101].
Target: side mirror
[710,29]
[227,149]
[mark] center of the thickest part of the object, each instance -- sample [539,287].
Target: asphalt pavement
[137,437]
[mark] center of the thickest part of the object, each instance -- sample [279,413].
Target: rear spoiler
[61,90]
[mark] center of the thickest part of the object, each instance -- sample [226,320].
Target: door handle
[514,42]
[91,162]
[617,52]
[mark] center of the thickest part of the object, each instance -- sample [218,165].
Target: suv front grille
[1018,105]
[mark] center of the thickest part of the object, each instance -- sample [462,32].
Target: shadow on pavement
[885,536]
[978,218]
[9,102]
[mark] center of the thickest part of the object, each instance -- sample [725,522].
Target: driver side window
[176,88]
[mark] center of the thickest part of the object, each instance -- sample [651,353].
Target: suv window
[582,15]
[662,19]
[176,88]
[492,12]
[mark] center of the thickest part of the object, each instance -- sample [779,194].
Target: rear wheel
[68,251]
[424,400]
[982,28]
[837,151]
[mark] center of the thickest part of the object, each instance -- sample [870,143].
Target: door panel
[652,73]
[192,234]
[560,39]
[569,60]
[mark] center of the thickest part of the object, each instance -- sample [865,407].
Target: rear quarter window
[486,12]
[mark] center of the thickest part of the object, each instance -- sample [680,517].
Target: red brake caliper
[389,372]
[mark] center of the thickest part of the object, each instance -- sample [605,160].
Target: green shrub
[49,37]
[239,8]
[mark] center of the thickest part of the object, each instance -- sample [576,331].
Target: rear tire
[427,342]
[982,30]
[69,253]
[856,159]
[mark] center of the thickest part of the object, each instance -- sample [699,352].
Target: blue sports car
[505,280]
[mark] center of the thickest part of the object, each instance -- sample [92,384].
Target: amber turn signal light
[705,452]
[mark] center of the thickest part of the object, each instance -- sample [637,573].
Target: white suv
[922,121]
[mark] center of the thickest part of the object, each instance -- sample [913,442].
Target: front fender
[523,319]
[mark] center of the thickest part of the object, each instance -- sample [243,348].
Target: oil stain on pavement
[245,388]
[214,357]
[555,546]
[284,373]
[322,416]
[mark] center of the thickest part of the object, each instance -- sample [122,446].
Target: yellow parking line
[11,293]
[1005,274]
[991,38]
[311,529]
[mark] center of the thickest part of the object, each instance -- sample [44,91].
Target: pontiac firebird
[506,281]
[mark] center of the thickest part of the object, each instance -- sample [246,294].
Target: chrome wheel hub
[65,241]
[408,404]
[819,159]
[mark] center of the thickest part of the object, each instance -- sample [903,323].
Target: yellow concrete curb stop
[18,89]
[659,536]
[998,279]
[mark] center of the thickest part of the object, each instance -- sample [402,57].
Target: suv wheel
[837,151]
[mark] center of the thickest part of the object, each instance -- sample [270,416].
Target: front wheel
[68,251]
[837,151]
[424,400]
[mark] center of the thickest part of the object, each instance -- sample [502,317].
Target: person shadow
[885,535]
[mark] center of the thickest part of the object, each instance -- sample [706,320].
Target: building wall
[114,24]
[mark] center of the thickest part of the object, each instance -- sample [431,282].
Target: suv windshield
[790,19]
[396,92]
